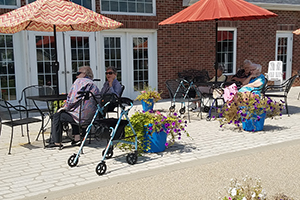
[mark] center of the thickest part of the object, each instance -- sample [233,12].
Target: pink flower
[143,91]
[157,112]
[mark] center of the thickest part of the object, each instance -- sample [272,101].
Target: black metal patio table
[48,99]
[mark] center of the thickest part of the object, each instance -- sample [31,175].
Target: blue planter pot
[253,124]
[147,105]
[157,142]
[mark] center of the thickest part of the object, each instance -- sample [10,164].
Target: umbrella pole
[216,52]
[56,64]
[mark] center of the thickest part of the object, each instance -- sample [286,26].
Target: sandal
[76,143]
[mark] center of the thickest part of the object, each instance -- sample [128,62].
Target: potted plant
[148,97]
[152,126]
[250,111]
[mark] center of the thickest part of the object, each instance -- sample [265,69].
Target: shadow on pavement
[273,128]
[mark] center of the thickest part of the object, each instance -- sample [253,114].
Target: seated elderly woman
[254,82]
[69,113]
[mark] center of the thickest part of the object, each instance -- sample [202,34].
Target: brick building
[145,52]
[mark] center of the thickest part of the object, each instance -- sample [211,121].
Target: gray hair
[112,68]
[221,67]
[247,62]
[88,71]
[257,66]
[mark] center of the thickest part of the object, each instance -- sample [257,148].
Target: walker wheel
[182,110]
[101,168]
[65,127]
[131,158]
[71,162]
[208,118]
[109,153]
[172,108]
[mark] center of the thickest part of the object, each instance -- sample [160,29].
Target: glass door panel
[140,63]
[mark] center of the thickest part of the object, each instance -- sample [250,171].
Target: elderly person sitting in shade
[112,85]
[70,111]
[254,82]
[207,89]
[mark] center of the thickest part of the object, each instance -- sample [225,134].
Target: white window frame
[93,4]
[12,7]
[234,46]
[130,13]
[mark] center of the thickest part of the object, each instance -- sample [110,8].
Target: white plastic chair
[275,72]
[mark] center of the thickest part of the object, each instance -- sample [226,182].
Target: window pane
[112,49]
[225,50]
[7,68]
[85,3]
[140,54]
[80,53]
[132,6]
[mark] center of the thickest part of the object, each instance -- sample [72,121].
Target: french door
[284,52]
[74,49]
[134,56]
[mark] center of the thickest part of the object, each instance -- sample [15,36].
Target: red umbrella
[205,10]
[55,15]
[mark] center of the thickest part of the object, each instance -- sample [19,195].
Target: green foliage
[148,93]
[150,122]
[249,107]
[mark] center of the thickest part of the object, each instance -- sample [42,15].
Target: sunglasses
[78,73]
[110,73]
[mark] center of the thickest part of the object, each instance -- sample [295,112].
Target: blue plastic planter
[147,106]
[157,142]
[253,124]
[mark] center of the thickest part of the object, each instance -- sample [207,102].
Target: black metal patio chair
[17,115]
[281,91]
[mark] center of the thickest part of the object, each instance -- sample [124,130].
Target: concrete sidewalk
[195,167]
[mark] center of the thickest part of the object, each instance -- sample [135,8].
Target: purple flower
[175,114]
[258,118]
[166,144]
[179,138]
[156,123]
[167,125]
[173,123]
[179,121]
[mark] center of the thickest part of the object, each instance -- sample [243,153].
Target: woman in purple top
[112,85]
[70,111]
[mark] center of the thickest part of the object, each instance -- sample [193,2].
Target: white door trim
[289,54]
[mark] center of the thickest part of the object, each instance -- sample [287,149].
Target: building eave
[277,6]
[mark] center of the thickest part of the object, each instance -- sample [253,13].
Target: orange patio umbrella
[297,32]
[55,15]
[205,10]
